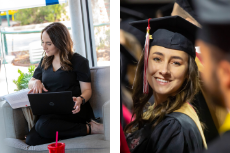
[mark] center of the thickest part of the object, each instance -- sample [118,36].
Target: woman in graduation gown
[167,71]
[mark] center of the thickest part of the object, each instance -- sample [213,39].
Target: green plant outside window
[24,78]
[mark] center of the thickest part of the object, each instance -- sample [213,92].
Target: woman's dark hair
[60,37]
[186,93]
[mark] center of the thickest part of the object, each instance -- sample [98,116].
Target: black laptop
[51,103]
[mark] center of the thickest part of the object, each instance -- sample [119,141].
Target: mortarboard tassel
[146,55]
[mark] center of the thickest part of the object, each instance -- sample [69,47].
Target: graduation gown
[221,144]
[178,133]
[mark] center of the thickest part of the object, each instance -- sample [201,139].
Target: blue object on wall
[4,17]
[51,2]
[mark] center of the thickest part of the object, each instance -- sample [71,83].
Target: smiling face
[48,46]
[167,70]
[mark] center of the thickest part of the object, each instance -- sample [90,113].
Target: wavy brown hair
[186,93]
[60,37]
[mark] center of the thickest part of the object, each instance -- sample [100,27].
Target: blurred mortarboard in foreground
[214,17]
[213,11]
[188,6]
[171,32]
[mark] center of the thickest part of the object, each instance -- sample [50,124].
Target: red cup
[59,149]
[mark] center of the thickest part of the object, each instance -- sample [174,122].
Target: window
[21,45]
[101,18]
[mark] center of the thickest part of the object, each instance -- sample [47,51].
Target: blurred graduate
[212,116]
[213,40]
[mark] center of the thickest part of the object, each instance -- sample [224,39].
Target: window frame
[88,27]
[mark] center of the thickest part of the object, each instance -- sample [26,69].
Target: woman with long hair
[62,70]
[170,75]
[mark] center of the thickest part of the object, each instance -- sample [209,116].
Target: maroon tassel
[146,55]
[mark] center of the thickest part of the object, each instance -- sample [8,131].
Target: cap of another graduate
[214,17]
[188,6]
[128,15]
[171,32]
[213,12]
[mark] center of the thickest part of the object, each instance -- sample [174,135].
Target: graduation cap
[124,25]
[214,17]
[129,13]
[188,6]
[166,10]
[171,32]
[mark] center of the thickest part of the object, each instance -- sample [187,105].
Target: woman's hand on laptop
[37,87]
[77,106]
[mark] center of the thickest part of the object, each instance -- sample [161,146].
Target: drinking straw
[56,138]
